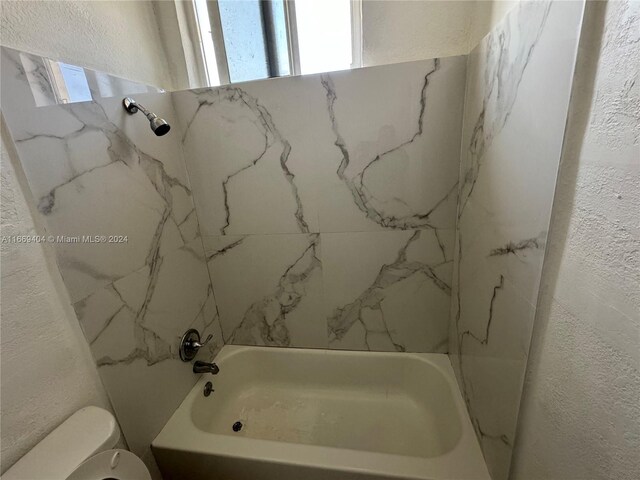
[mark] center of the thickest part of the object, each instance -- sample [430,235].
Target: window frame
[291,31]
[218,41]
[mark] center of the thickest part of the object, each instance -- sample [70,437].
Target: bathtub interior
[389,404]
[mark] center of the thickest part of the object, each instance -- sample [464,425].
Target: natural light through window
[206,40]
[324,35]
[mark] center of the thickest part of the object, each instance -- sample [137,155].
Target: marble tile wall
[93,170]
[46,81]
[327,209]
[517,94]
[327,204]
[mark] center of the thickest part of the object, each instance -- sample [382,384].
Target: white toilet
[80,449]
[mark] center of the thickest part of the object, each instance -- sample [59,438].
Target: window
[76,83]
[324,35]
[254,39]
[244,39]
[205,39]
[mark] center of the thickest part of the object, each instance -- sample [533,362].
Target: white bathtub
[322,415]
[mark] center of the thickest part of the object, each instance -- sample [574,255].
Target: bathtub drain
[237,426]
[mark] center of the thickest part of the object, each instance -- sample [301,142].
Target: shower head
[158,125]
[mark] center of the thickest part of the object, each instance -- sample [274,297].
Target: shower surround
[94,171]
[517,97]
[327,204]
[373,209]
[315,227]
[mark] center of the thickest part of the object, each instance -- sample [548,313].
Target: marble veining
[273,141]
[31,69]
[269,288]
[518,89]
[93,170]
[134,300]
[291,174]
[363,196]
[136,194]
[516,248]
[224,249]
[120,148]
[508,54]
[265,323]
[369,301]
[483,340]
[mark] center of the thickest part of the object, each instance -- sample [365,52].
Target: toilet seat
[111,465]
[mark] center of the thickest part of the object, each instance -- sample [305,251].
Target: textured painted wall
[141,40]
[121,38]
[402,31]
[580,414]
[487,14]
[47,369]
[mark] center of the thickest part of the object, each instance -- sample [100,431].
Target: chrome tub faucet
[204,367]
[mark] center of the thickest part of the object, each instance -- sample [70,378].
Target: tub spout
[204,367]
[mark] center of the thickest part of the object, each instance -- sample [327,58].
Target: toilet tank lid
[88,431]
